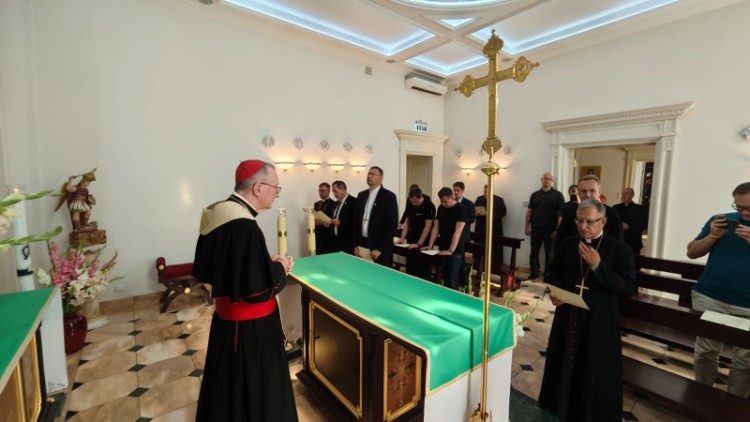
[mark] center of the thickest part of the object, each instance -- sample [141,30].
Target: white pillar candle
[281,224]
[19,229]
[310,231]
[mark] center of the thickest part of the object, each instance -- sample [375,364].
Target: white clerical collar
[245,201]
[597,237]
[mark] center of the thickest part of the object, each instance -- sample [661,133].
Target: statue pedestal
[88,237]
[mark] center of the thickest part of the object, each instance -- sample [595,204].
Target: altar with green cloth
[22,382]
[413,336]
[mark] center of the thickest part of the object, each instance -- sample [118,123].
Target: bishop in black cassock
[246,375]
[583,369]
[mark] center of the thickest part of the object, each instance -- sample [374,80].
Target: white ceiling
[445,37]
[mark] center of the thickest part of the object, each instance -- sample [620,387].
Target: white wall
[166,100]
[665,65]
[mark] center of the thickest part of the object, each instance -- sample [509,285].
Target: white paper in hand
[568,297]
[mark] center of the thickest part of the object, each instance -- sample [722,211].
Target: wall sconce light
[746,133]
[336,167]
[284,165]
[358,167]
[368,149]
[268,141]
[503,168]
[467,170]
[298,144]
[325,145]
[311,165]
[459,153]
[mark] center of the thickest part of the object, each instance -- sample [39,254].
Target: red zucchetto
[247,169]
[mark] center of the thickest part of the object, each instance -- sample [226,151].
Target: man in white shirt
[377,219]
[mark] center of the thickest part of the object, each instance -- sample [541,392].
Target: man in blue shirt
[724,287]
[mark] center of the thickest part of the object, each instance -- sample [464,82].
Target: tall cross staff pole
[518,72]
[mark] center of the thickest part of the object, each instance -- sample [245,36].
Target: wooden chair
[178,279]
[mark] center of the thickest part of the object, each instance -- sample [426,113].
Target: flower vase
[90,310]
[74,329]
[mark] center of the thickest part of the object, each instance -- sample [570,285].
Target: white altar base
[456,401]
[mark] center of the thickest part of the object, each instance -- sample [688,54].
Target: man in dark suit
[377,219]
[323,240]
[342,225]
[498,212]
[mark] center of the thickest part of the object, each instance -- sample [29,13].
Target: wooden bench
[429,261]
[178,279]
[507,271]
[686,273]
[674,391]
[676,324]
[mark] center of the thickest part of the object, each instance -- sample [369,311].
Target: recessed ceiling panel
[452,4]
[448,59]
[558,19]
[455,23]
[355,22]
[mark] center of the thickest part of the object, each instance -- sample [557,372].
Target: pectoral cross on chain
[582,287]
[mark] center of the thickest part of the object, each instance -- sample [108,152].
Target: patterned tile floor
[145,365]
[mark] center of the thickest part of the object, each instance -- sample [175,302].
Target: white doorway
[419,172]
[420,158]
[617,167]
[657,126]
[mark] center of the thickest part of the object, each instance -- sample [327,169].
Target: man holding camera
[724,287]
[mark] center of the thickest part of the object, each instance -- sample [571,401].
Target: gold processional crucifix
[518,72]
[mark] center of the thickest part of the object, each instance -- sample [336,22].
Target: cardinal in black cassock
[583,369]
[246,375]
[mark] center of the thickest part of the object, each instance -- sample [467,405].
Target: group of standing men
[246,376]
[366,225]
[583,367]
[549,219]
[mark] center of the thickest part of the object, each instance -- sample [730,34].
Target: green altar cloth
[20,314]
[447,324]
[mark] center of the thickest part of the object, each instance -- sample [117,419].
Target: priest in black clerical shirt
[583,369]
[498,212]
[634,220]
[324,242]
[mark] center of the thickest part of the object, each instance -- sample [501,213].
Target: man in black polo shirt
[448,232]
[415,230]
[541,222]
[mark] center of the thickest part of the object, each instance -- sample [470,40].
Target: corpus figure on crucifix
[583,371]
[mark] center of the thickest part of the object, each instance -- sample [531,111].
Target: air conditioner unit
[420,83]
